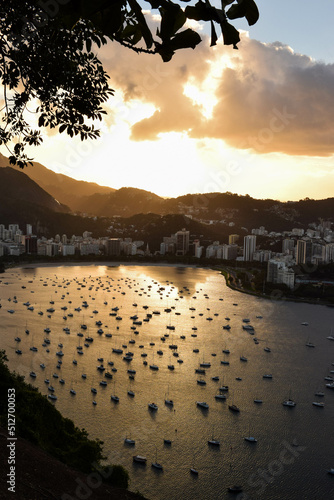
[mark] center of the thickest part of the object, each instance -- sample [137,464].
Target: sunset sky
[259,120]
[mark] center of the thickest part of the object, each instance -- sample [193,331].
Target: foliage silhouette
[47,58]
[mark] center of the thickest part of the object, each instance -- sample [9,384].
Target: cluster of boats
[137,322]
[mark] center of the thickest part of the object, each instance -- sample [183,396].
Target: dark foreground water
[294,446]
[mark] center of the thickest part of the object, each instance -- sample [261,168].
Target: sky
[257,121]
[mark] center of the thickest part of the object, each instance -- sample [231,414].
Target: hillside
[23,202]
[33,483]
[16,186]
[47,464]
[151,228]
[63,188]
[123,202]
[242,211]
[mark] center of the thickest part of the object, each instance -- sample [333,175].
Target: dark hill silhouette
[123,202]
[16,186]
[231,210]
[63,188]
[22,202]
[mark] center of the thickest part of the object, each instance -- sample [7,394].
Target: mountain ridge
[233,212]
[62,187]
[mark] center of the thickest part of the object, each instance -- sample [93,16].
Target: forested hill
[16,187]
[41,202]
[63,188]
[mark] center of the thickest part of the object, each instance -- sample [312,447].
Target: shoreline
[35,265]
[225,272]
[278,298]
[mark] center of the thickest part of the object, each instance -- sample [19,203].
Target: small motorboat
[235,489]
[129,441]
[289,402]
[233,408]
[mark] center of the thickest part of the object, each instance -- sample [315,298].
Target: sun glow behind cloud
[189,126]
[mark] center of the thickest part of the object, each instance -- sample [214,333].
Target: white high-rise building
[182,242]
[288,245]
[249,246]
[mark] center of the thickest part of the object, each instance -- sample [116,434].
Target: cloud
[273,100]
[268,98]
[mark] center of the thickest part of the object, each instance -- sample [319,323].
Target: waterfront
[295,445]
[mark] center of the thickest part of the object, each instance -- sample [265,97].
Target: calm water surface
[294,446]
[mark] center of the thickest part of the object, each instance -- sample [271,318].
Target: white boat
[319,404]
[194,471]
[330,471]
[220,396]
[113,397]
[235,489]
[250,439]
[214,442]
[289,402]
[202,404]
[156,465]
[139,459]
[129,441]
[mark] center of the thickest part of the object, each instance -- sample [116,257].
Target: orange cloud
[268,98]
